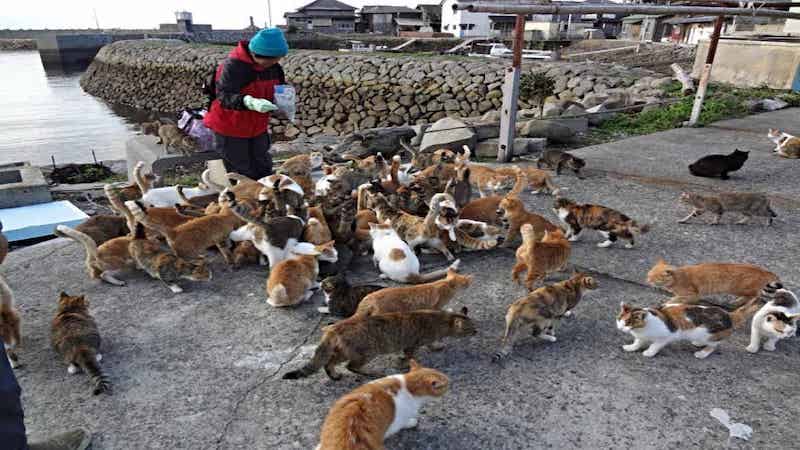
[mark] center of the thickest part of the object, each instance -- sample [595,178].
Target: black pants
[246,156]
[12,428]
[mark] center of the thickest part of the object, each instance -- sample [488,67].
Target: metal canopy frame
[508,112]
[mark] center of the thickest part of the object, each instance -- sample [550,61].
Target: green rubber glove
[261,105]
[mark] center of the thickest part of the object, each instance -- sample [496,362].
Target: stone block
[21,185]
[448,133]
[522,146]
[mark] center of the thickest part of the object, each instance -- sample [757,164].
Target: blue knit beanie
[269,42]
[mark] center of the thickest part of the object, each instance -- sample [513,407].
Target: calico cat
[361,338]
[274,237]
[368,415]
[610,223]
[75,337]
[164,266]
[540,258]
[191,239]
[9,323]
[284,195]
[434,295]
[558,160]
[719,165]
[396,260]
[415,230]
[786,145]
[776,320]
[293,280]
[514,215]
[104,227]
[748,204]
[703,325]
[689,283]
[102,261]
[342,298]
[542,309]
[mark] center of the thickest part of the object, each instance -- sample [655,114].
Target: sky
[147,14]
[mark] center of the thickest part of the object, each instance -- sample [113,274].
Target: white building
[463,24]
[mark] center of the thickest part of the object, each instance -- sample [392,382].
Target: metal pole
[269,13]
[556,9]
[706,75]
[508,114]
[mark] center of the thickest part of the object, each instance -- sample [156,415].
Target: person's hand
[261,105]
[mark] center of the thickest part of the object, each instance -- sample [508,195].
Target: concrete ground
[202,370]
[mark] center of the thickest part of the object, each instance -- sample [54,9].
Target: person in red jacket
[239,115]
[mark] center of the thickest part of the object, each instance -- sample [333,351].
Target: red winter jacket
[236,77]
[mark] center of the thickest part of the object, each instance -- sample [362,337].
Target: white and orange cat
[368,415]
[396,260]
[293,280]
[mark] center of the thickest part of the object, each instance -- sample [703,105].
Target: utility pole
[96,22]
[269,13]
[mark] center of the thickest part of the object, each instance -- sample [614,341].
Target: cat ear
[413,365]
[63,295]
[464,311]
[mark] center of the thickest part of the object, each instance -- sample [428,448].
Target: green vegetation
[535,87]
[722,102]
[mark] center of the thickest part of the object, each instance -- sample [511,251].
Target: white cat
[396,260]
[776,320]
[167,196]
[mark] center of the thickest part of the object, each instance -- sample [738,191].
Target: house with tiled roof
[324,16]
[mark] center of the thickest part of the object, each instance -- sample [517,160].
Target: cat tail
[139,212]
[740,315]
[771,211]
[6,296]
[519,185]
[322,355]
[86,359]
[88,243]
[506,344]
[112,194]
[419,278]
[184,200]
[138,177]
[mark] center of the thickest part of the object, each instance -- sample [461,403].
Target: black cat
[718,165]
[341,297]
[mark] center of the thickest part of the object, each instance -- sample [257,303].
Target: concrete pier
[70,50]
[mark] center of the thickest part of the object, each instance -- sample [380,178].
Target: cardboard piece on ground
[26,222]
[218,173]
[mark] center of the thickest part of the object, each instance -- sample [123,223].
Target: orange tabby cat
[540,258]
[316,230]
[689,283]
[485,209]
[362,419]
[513,213]
[292,280]
[433,295]
[9,323]
[191,239]
[105,260]
[538,180]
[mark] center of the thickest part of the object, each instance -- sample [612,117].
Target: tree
[535,87]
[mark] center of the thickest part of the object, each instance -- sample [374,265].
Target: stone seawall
[343,92]
[17,44]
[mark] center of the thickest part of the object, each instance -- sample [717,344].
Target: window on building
[447,27]
[322,22]
[470,26]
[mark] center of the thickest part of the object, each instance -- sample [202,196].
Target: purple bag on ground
[191,122]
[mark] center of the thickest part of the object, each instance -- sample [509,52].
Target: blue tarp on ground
[34,221]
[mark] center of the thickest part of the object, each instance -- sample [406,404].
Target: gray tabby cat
[748,204]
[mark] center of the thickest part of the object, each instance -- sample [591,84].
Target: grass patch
[722,102]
